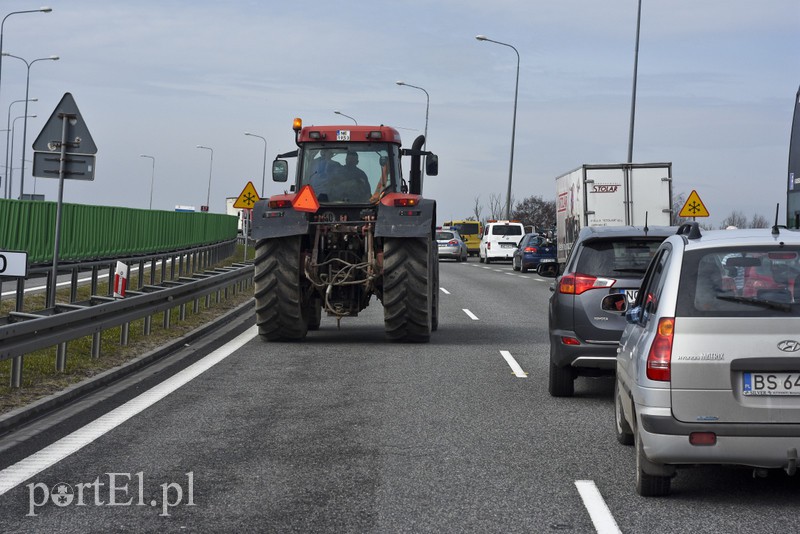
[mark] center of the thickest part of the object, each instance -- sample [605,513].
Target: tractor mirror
[432,165]
[280,170]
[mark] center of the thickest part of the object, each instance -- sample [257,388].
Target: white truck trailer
[611,195]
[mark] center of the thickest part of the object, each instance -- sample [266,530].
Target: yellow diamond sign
[694,207]
[248,198]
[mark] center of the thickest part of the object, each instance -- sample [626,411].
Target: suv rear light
[703,438]
[658,360]
[569,340]
[576,283]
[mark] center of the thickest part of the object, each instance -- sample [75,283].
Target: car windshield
[350,172]
[618,257]
[444,236]
[741,282]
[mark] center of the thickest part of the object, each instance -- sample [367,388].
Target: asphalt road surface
[345,432]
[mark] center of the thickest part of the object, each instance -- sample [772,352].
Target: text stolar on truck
[349,228]
[624,194]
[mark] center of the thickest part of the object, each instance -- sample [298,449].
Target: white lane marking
[498,270]
[487,268]
[443,290]
[513,364]
[523,276]
[512,274]
[470,314]
[21,471]
[601,516]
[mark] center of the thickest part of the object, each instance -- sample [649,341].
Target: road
[345,432]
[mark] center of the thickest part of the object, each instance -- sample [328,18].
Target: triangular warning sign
[79,140]
[694,207]
[248,198]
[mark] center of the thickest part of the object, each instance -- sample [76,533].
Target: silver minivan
[708,368]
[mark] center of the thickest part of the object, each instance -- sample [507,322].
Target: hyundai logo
[789,345]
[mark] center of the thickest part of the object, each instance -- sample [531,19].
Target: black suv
[587,309]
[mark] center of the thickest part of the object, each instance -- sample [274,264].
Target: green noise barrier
[98,232]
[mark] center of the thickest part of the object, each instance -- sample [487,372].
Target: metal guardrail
[22,333]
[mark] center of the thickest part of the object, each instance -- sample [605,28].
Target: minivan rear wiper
[775,305]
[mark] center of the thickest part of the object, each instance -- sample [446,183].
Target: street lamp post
[40,10]
[25,122]
[264,170]
[427,107]
[7,190]
[513,124]
[11,167]
[633,93]
[210,166]
[152,176]
[343,115]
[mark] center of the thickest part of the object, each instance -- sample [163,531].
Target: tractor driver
[323,169]
[350,183]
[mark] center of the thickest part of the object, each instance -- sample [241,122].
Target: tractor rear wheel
[407,289]
[434,266]
[278,293]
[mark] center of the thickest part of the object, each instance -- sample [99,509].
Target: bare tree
[759,221]
[736,218]
[495,206]
[677,204]
[477,209]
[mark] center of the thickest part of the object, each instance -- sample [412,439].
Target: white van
[500,239]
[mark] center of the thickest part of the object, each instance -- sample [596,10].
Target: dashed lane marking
[518,372]
[602,519]
[443,290]
[470,314]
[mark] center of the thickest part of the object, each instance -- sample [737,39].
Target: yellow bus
[470,232]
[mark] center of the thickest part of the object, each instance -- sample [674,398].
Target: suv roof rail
[690,229]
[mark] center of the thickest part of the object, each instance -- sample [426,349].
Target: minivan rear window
[617,258]
[502,229]
[740,282]
[468,229]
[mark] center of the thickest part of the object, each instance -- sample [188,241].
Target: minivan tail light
[658,359]
[576,283]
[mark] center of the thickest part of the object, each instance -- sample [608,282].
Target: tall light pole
[25,122]
[264,170]
[513,124]
[7,190]
[427,107]
[343,115]
[210,166]
[633,93]
[40,10]
[11,167]
[152,176]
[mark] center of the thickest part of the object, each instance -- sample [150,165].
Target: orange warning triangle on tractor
[306,200]
[693,207]
[248,198]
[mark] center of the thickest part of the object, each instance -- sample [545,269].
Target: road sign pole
[65,119]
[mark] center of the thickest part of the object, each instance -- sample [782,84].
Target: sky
[716,86]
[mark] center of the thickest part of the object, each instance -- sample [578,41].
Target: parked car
[500,240]
[451,245]
[587,308]
[708,370]
[534,250]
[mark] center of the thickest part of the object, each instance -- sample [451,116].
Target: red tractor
[349,228]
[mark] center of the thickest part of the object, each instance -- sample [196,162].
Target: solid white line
[470,314]
[513,364]
[21,471]
[601,516]
[443,290]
